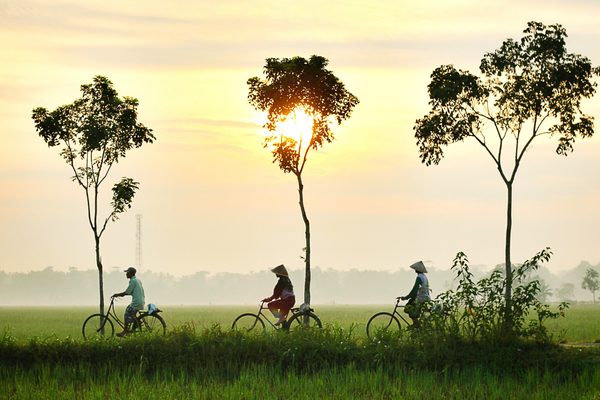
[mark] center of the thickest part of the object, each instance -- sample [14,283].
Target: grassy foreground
[43,356]
[269,383]
[333,363]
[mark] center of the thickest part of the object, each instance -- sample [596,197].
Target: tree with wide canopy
[529,88]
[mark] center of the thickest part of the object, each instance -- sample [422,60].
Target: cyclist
[418,295]
[136,291]
[283,295]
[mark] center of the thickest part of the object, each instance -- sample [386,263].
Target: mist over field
[54,288]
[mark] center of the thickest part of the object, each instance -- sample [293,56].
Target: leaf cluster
[97,130]
[534,79]
[123,193]
[293,84]
[98,122]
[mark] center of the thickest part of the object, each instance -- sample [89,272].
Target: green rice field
[61,322]
[581,324]
[43,356]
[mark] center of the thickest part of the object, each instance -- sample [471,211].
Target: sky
[211,199]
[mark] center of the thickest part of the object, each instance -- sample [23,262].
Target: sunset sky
[210,197]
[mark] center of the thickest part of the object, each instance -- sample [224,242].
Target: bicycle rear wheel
[97,326]
[248,322]
[380,322]
[297,322]
[152,323]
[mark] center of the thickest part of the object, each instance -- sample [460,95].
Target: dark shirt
[283,284]
[415,289]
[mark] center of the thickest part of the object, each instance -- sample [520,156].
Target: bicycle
[97,325]
[385,320]
[248,321]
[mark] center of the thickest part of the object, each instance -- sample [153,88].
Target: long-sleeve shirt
[283,289]
[420,290]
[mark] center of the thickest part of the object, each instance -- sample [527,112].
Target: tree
[591,282]
[294,86]
[545,292]
[526,85]
[566,292]
[95,131]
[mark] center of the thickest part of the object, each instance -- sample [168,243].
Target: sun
[298,126]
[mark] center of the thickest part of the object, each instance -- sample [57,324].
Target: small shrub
[477,311]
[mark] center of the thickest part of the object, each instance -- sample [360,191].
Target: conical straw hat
[419,267]
[280,270]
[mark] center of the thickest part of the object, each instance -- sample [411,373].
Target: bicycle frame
[293,312]
[111,313]
[96,325]
[397,314]
[263,317]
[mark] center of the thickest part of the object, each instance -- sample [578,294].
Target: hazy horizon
[210,197]
[56,288]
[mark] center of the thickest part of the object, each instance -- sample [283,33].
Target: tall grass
[268,382]
[332,363]
[223,352]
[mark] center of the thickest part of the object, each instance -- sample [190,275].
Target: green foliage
[532,79]
[98,123]
[96,131]
[123,193]
[334,362]
[476,311]
[525,85]
[223,352]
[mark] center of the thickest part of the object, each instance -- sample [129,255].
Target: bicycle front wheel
[97,326]
[303,321]
[382,321]
[248,322]
[152,323]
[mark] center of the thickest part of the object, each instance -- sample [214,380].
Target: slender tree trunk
[307,236]
[100,275]
[508,265]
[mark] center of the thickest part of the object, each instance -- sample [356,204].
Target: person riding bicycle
[136,291]
[283,295]
[418,295]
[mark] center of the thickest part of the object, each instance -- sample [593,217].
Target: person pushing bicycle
[283,295]
[136,291]
[418,295]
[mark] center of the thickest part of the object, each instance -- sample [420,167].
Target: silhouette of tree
[294,85]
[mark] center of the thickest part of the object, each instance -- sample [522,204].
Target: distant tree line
[76,287]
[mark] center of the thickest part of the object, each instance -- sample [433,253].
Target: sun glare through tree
[298,126]
[302,100]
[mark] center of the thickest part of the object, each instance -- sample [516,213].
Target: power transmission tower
[138,246]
